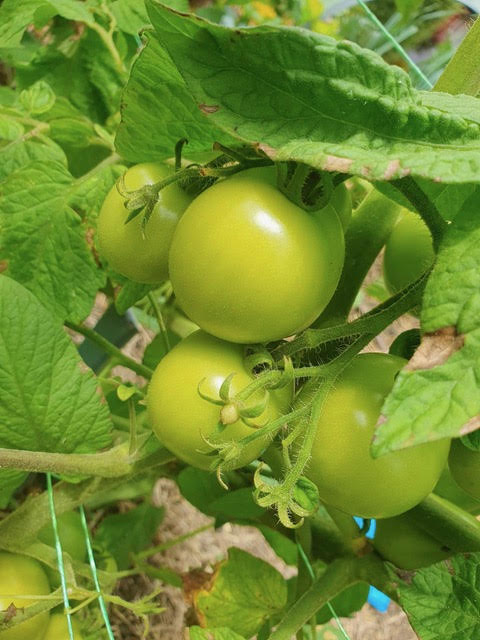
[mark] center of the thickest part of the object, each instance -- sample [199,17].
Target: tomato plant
[341,465]
[202,363]
[140,255]
[239,241]
[22,576]
[408,252]
[192,218]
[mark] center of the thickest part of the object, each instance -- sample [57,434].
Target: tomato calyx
[305,186]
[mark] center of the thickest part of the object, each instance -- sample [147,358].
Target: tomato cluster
[249,266]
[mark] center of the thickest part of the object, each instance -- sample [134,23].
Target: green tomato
[142,259]
[400,541]
[465,468]
[341,466]
[181,418]
[408,252]
[70,531]
[58,628]
[249,266]
[22,576]
[447,488]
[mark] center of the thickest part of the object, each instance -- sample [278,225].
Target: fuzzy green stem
[425,207]
[111,349]
[161,322]
[372,323]
[448,523]
[462,74]
[366,234]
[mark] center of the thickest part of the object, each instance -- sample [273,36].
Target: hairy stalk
[371,323]
[111,349]
[425,207]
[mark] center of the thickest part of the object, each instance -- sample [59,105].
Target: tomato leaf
[438,394]
[333,105]
[245,593]
[158,111]
[443,600]
[44,243]
[124,533]
[56,407]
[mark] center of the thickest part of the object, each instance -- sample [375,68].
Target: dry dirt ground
[210,546]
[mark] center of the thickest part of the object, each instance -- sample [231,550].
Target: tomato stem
[425,207]
[111,349]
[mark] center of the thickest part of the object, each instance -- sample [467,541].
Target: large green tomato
[400,541]
[247,265]
[341,466]
[408,252]
[465,468]
[72,539]
[58,628]
[447,488]
[22,576]
[180,417]
[143,259]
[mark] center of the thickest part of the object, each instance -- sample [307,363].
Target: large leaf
[244,593]
[43,241]
[443,601]
[438,394]
[306,97]
[158,110]
[46,402]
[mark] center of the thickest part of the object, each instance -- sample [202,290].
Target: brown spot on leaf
[269,151]
[392,169]
[208,108]
[435,349]
[334,163]
[10,612]
[3,265]
[195,581]
[405,576]
[472,425]
[449,566]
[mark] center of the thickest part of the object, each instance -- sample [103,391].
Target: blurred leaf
[124,533]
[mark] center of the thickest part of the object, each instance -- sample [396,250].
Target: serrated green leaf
[245,593]
[20,153]
[312,99]
[43,241]
[38,98]
[158,111]
[443,601]
[197,633]
[72,10]
[88,195]
[429,402]
[46,402]
[10,129]
[14,18]
[131,15]
[124,533]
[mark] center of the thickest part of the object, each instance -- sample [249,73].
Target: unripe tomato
[143,259]
[22,576]
[71,535]
[179,416]
[247,265]
[447,488]
[341,466]
[58,628]
[400,541]
[465,467]
[408,252]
